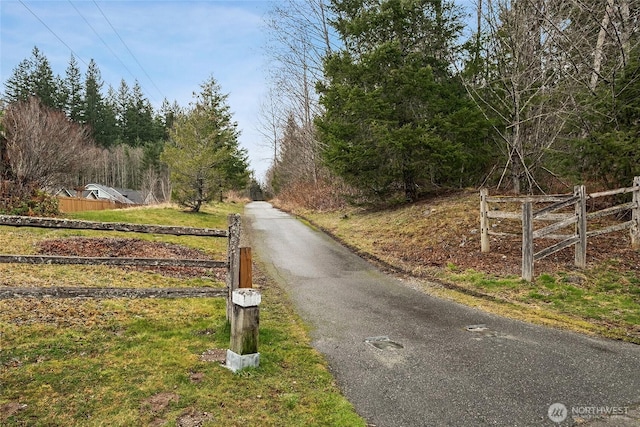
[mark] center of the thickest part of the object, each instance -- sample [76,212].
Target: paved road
[444,364]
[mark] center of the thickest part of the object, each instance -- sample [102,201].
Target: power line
[53,32]
[129,50]
[102,40]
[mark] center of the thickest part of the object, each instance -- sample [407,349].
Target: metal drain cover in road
[482,330]
[476,328]
[383,343]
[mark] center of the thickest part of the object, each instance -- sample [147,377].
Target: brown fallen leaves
[131,248]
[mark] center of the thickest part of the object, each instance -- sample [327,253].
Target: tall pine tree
[97,113]
[33,77]
[72,91]
[396,119]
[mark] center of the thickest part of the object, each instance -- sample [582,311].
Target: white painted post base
[245,319]
[237,362]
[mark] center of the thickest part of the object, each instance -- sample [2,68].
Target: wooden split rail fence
[578,219]
[236,257]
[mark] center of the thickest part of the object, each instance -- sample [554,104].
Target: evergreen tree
[33,77]
[168,114]
[17,86]
[121,107]
[203,153]
[97,112]
[141,125]
[72,91]
[393,109]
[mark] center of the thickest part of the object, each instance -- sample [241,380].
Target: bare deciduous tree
[299,38]
[43,147]
[537,58]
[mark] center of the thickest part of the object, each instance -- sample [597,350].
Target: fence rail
[80,292]
[232,263]
[578,219]
[120,262]
[71,224]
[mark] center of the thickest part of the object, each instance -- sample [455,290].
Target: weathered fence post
[635,214]
[233,257]
[246,274]
[245,321]
[484,221]
[527,241]
[581,226]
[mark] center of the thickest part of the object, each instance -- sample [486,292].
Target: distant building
[102,192]
[123,196]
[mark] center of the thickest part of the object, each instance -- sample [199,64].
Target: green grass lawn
[138,362]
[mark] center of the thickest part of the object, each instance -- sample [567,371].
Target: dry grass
[438,240]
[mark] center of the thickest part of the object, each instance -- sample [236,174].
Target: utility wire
[53,32]
[129,50]
[102,40]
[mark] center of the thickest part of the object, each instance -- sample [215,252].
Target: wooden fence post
[484,221]
[580,258]
[635,214]
[233,257]
[245,321]
[246,274]
[527,241]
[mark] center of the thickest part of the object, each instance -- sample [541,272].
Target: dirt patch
[193,418]
[10,409]
[505,257]
[214,355]
[444,232]
[159,402]
[131,248]
[196,377]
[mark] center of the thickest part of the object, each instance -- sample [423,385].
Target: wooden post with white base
[245,319]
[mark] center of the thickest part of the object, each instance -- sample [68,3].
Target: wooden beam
[26,221]
[555,248]
[244,330]
[503,234]
[635,215]
[554,227]
[610,229]
[245,321]
[610,211]
[105,293]
[246,273]
[529,199]
[580,254]
[484,221]
[233,254]
[556,206]
[504,215]
[527,241]
[612,192]
[144,262]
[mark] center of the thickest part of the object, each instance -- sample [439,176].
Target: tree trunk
[597,53]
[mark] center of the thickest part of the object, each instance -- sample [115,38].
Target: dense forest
[396,98]
[68,131]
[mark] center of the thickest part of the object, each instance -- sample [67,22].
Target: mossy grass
[138,362]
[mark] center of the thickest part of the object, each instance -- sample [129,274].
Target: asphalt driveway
[404,358]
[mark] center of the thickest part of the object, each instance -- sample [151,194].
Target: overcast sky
[170,47]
